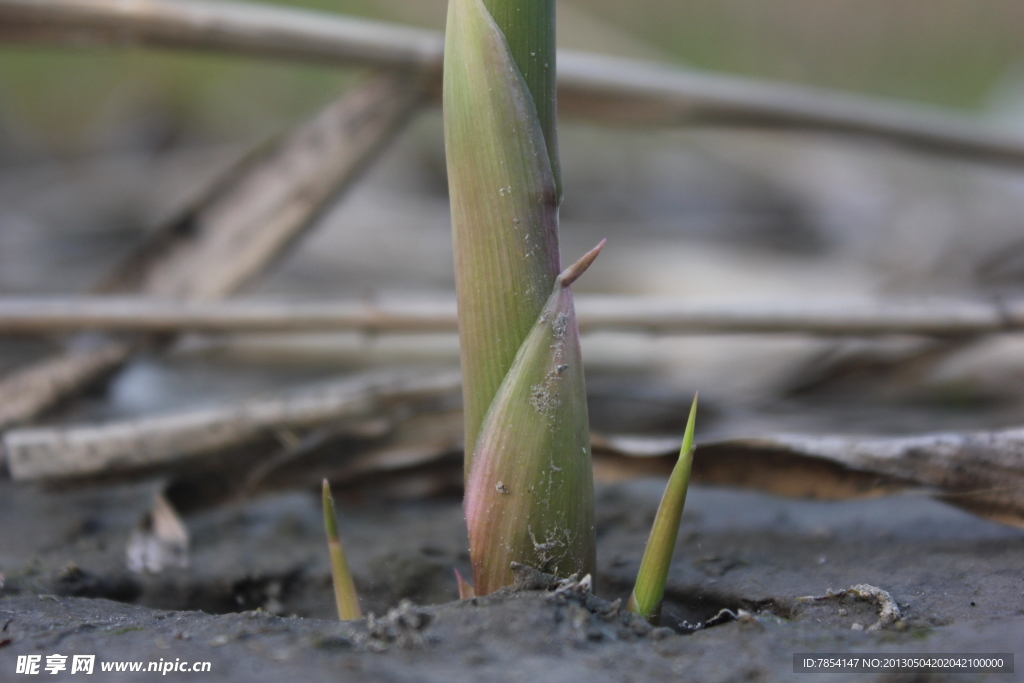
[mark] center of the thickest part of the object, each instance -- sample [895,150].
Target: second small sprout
[650,580]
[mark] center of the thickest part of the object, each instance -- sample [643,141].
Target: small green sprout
[650,579]
[344,588]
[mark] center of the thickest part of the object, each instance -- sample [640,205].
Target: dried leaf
[981,472]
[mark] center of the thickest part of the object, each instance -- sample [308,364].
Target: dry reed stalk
[653,315]
[241,225]
[603,89]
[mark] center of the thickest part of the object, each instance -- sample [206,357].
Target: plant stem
[529,28]
[504,204]
[529,482]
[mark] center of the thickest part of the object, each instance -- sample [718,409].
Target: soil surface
[256,603]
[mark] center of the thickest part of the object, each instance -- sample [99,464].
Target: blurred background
[98,146]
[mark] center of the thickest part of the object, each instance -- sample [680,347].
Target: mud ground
[256,602]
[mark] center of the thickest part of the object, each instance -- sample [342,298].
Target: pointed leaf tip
[691,423]
[465,587]
[330,520]
[573,272]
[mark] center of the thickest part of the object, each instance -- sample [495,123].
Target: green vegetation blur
[947,52]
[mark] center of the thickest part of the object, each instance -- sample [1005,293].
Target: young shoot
[344,588]
[529,484]
[466,590]
[530,495]
[650,580]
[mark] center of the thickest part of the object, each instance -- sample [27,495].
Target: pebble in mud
[404,626]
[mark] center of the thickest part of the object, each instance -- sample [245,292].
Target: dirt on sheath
[732,612]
